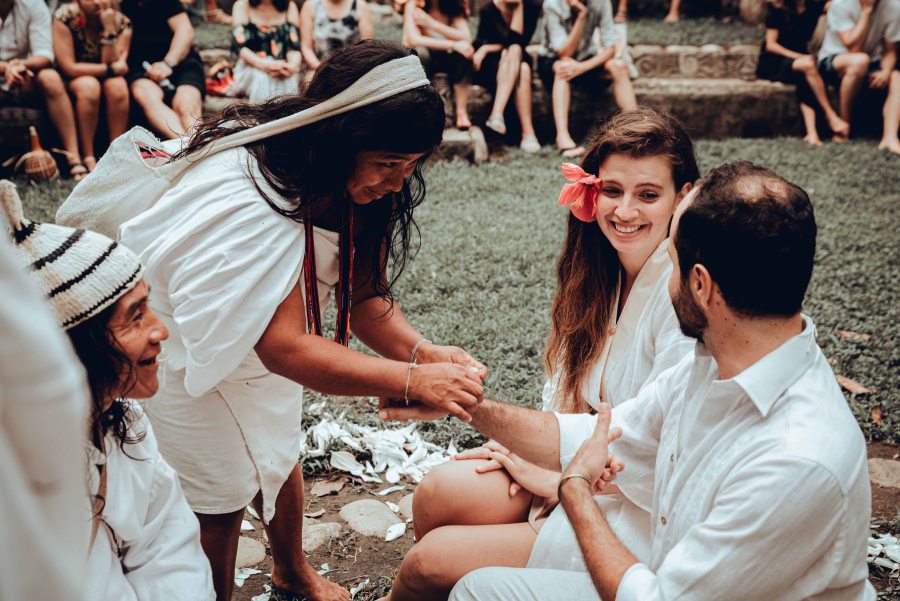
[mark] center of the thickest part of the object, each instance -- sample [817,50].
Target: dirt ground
[353,558]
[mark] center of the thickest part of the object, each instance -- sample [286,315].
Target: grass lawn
[484,276]
[689,31]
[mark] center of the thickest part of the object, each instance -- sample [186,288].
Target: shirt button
[663,520]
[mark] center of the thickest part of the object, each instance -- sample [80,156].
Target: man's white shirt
[758,485]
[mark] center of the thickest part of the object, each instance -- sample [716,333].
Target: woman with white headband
[242,252]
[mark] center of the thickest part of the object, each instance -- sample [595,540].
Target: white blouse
[148,544]
[758,484]
[646,341]
[219,261]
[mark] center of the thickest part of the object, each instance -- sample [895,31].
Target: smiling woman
[613,329]
[245,249]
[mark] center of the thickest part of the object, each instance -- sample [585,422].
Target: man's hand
[567,68]
[17,73]
[593,459]
[880,79]
[159,71]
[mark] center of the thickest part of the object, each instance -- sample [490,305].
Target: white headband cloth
[386,80]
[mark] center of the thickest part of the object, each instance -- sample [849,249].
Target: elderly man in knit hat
[145,541]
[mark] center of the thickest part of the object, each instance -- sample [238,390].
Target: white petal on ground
[252,512]
[243,573]
[246,526]
[389,490]
[395,532]
[355,590]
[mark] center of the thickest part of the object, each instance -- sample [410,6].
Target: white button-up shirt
[758,485]
[25,31]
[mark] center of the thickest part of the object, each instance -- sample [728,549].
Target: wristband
[108,39]
[570,477]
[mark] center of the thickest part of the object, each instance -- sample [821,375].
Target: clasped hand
[446,380]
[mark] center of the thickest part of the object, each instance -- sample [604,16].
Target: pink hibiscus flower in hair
[581,195]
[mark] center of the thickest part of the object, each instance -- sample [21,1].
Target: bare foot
[839,139]
[812,140]
[621,17]
[462,121]
[892,146]
[312,585]
[670,18]
[839,127]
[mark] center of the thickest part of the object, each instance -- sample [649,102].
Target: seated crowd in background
[97,53]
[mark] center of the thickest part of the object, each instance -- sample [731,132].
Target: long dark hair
[589,268]
[310,165]
[110,375]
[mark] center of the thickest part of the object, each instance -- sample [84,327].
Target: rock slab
[369,517]
[885,472]
[250,552]
[406,506]
[317,534]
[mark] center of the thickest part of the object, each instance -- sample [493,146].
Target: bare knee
[145,92]
[422,567]
[857,64]
[115,90]
[86,89]
[514,53]
[187,102]
[50,82]
[429,503]
[616,68]
[805,64]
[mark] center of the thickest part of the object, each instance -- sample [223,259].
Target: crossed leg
[463,521]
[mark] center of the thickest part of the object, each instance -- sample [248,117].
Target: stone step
[710,61]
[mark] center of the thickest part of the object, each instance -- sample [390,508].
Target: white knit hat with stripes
[81,272]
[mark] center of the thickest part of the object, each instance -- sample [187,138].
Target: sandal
[496,124]
[530,144]
[77,171]
[572,152]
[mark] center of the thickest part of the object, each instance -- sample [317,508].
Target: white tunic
[219,261]
[647,341]
[148,544]
[761,487]
[43,416]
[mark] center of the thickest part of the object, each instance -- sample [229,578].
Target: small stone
[315,535]
[250,552]
[369,517]
[406,506]
[885,472]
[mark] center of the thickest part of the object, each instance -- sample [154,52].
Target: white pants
[524,584]
[259,86]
